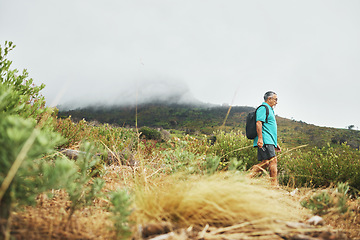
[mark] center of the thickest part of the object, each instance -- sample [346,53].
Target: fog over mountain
[137,92]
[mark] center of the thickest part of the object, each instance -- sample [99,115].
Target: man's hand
[278,148]
[260,142]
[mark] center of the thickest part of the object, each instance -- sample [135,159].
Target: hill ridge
[207,118]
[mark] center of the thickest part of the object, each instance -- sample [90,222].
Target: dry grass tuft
[222,199]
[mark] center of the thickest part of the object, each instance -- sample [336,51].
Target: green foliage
[114,138]
[236,165]
[82,183]
[120,209]
[27,141]
[328,200]
[14,133]
[22,166]
[342,191]
[15,130]
[30,103]
[197,145]
[321,167]
[230,151]
[212,164]
[179,159]
[234,147]
[319,203]
[150,134]
[74,133]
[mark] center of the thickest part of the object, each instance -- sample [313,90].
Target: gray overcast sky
[217,51]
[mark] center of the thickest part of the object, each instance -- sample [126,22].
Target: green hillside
[294,133]
[189,118]
[206,119]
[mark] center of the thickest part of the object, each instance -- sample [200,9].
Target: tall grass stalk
[226,117]
[292,149]
[238,149]
[228,112]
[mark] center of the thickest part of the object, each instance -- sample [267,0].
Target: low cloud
[136,92]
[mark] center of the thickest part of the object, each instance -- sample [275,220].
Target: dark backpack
[251,123]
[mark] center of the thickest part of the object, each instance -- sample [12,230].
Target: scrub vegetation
[186,178]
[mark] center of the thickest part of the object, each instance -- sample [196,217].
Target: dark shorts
[266,152]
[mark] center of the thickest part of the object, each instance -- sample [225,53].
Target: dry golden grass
[222,199]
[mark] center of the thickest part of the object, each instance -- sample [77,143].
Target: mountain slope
[205,119]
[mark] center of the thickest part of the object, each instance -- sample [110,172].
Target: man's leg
[273,171]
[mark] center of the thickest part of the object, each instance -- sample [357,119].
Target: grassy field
[187,186]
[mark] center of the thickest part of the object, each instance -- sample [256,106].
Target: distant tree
[351,127]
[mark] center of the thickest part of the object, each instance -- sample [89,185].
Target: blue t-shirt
[269,129]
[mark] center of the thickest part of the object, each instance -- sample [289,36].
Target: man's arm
[260,141]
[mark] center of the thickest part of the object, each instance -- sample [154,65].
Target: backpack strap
[267,112]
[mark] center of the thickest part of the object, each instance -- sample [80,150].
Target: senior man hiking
[266,139]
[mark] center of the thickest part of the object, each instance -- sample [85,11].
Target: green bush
[212,164]
[321,167]
[29,102]
[114,138]
[23,143]
[179,159]
[17,135]
[234,147]
[83,183]
[23,146]
[328,200]
[121,211]
[28,164]
[150,134]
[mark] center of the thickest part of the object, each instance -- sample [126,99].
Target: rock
[112,158]
[316,221]
[71,153]
[296,225]
[163,236]
[293,193]
[151,229]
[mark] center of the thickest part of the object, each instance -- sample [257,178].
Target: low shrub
[329,200]
[121,211]
[234,147]
[179,159]
[321,167]
[114,138]
[150,134]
